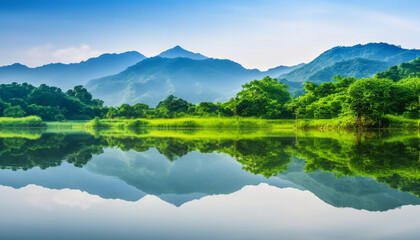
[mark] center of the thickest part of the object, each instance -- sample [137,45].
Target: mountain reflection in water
[365,170]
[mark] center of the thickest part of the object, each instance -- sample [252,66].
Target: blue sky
[257,34]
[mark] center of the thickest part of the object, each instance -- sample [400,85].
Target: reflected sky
[254,212]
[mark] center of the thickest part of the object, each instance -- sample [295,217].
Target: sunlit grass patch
[193,123]
[67,124]
[31,121]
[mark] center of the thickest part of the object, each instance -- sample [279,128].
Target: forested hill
[66,76]
[355,61]
[404,70]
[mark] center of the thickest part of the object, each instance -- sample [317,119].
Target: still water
[58,184]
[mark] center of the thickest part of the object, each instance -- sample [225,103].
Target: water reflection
[254,212]
[372,171]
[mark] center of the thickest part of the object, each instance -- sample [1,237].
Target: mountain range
[67,76]
[130,77]
[185,74]
[356,61]
[125,78]
[153,79]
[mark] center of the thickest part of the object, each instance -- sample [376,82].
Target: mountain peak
[15,66]
[178,51]
[178,47]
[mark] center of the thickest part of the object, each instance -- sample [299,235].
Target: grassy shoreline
[165,129]
[193,123]
[349,122]
[250,123]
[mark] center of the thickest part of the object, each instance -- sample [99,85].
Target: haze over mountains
[195,78]
[166,73]
[355,61]
[131,77]
[67,76]
[179,72]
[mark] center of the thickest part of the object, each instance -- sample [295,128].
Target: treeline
[264,98]
[259,98]
[368,100]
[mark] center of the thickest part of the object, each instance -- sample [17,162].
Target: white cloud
[75,54]
[40,55]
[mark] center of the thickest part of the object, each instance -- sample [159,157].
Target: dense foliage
[261,98]
[49,103]
[404,70]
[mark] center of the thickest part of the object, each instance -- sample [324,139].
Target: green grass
[401,122]
[193,123]
[67,124]
[347,122]
[220,123]
[24,122]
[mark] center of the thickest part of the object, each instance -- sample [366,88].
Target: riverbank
[348,122]
[193,123]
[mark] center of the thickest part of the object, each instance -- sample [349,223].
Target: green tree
[174,106]
[140,110]
[14,111]
[126,111]
[80,93]
[264,98]
[373,98]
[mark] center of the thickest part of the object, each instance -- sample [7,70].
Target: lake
[209,184]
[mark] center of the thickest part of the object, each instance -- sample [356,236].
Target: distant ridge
[187,75]
[67,76]
[385,53]
[355,61]
[153,79]
[131,77]
[276,71]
